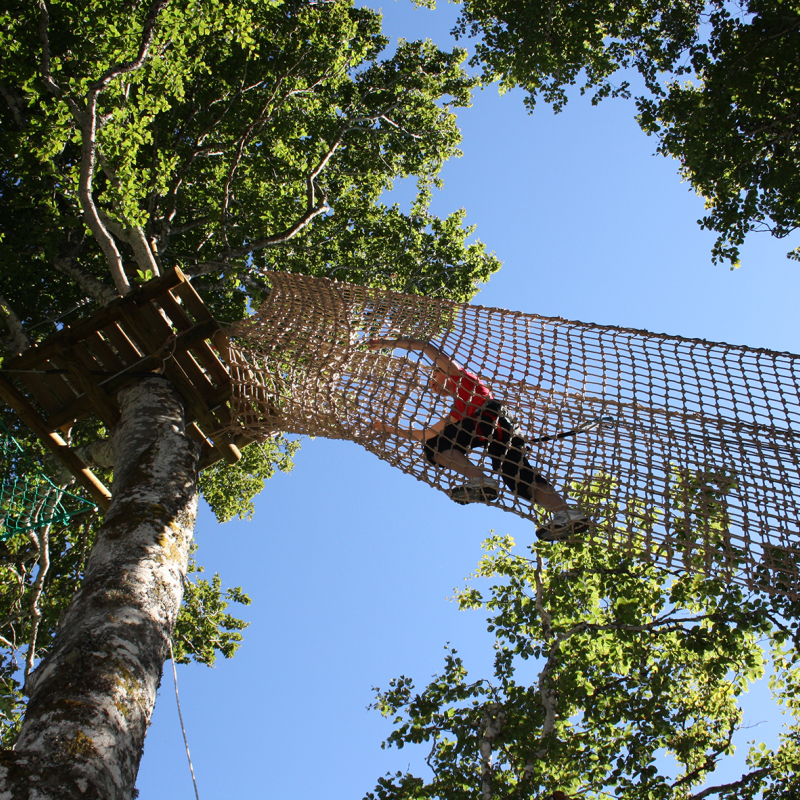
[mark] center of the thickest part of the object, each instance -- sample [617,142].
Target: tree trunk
[91,699]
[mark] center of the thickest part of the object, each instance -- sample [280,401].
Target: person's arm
[414,435]
[441,360]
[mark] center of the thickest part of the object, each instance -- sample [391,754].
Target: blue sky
[350,563]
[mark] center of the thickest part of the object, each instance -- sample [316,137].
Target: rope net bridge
[683,450]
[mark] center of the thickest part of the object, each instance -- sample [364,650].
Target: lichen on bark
[92,697]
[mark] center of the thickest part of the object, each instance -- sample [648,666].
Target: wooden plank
[201,351]
[174,311]
[217,401]
[223,413]
[194,303]
[80,365]
[208,455]
[100,319]
[148,340]
[200,411]
[195,433]
[38,389]
[139,367]
[102,352]
[185,358]
[211,362]
[196,375]
[122,344]
[223,344]
[58,386]
[53,442]
[153,337]
[183,341]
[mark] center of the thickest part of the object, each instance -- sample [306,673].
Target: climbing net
[679,449]
[28,498]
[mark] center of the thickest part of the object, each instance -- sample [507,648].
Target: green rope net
[28,498]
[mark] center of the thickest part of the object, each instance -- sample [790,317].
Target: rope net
[28,498]
[679,450]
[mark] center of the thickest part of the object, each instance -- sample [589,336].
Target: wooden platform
[161,327]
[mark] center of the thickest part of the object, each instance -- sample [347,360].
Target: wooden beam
[202,352]
[105,406]
[100,349]
[100,319]
[111,386]
[196,405]
[211,456]
[194,303]
[55,444]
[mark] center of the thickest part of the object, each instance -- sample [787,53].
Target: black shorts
[495,429]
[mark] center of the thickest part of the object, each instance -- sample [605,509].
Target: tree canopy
[228,138]
[719,87]
[253,135]
[612,679]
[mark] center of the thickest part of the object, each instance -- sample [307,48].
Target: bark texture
[92,698]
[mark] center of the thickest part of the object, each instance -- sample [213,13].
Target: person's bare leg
[458,462]
[548,498]
[543,493]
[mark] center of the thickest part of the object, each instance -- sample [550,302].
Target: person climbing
[479,420]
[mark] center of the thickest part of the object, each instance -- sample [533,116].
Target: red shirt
[470,392]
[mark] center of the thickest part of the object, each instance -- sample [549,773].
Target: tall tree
[734,125]
[228,138]
[603,664]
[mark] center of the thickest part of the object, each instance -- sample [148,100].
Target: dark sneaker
[482,490]
[563,525]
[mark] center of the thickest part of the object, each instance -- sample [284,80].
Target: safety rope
[180,717]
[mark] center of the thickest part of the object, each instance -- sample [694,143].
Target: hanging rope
[28,498]
[180,717]
[682,448]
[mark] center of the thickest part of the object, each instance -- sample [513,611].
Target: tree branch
[710,759]
[261,119]
[313,208]
[44,62]
[87,120]
[726,787]
[18,342]
[97,290]
[491,726]
[133,234]
[283,236]
[548,695]
[189,226]
[15,103]
[138,242]
[148,31]
[43,543]
[90,212]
